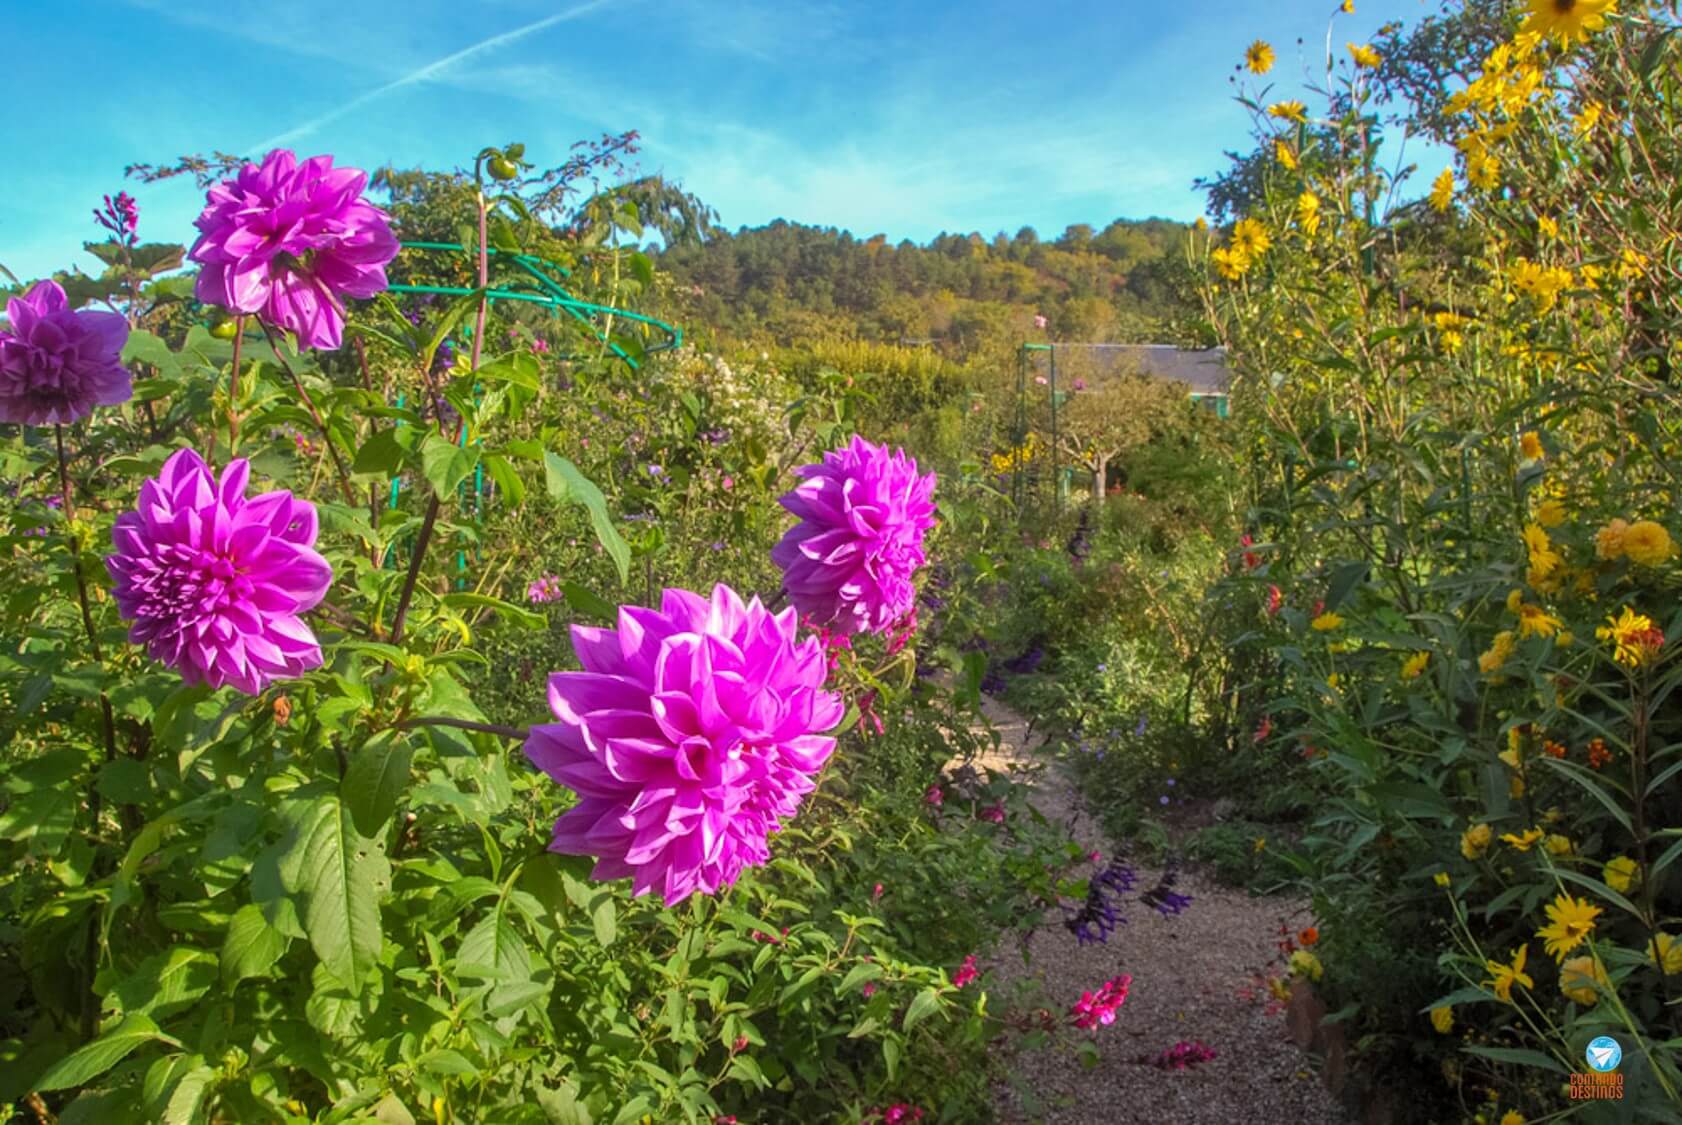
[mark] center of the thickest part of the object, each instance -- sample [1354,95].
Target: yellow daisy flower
[1442,190]
[1414,665]
[1569,21]
[1525,842]
[1250,237]
[1364,55]
[1258,56]
[1609,541]
[1475,841]
[1620,874]
[1443,1020]
[1666,953]
[1570,921]
[1505,976]
[1326,622]
[1530,445]
[1308,212]
[1293,111]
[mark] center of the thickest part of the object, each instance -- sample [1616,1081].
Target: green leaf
[926,1004]
[376,780]
[339,877]
[144,347]
[506,478]
[518,369]
[517,614]
[589,603]
[381,455]
[88,1062]
[561,1107]
[1521,1055]
[605,918]
[446,464]
[1343,582]
[566,483]
[446,1062]
[167,981]
[860,973]
[252,945]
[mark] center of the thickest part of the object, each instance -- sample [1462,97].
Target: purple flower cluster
[848,563]
[1163,899]
[693,731]
[289,242]
[215,583]
[57,364]
[120,216]
[545,589]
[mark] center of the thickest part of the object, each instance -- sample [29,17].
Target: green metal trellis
[548,292]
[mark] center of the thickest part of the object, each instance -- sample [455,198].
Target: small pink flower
[1274,600]
[1039,322]
[934,796]
[1041,380]
[740,1044]
[727,483]
[869,989]
[1097,1008]
[966,973]
[994,813]
[876,893]
[1092,856]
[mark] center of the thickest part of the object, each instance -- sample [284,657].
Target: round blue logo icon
[1604,1053]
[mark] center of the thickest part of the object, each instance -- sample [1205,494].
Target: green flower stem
[309,404]
[518,734]
[233,393]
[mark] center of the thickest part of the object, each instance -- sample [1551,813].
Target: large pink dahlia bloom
[57,364]
[691,735]
[288,241]
[214,582]
[848,563]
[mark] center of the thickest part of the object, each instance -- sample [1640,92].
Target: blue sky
[904,118]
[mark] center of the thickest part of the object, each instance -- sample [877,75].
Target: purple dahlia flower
[288,241]
[57,364]
[215,583]
[848,563]
[692,733]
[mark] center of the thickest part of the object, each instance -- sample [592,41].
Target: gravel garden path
[1190,973]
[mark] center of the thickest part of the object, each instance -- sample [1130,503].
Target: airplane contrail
[422,74]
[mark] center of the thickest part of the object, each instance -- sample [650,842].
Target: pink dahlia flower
[57,364]
[289,241]
[848,563]
[691,734]
[215,583]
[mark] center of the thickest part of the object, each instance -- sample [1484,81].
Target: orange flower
[282,710]
[1309,936]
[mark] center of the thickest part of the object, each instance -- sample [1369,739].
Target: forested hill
[785,282]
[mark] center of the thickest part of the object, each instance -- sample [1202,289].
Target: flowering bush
[272,852]
[1457,646]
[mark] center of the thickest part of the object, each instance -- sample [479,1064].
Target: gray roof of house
[1203,370]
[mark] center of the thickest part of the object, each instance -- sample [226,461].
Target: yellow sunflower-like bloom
[1308,213]
[1634,638]
[1530,838]
[1258,57]
[1442,190]
[1550,513]
[1530,445]
[1364,55]
[1230,263]
[1442,1019]
[1282,153]
[1620,873]
[1326,622]
[1609,541]
[1249,236]
[1505,976]
[1666,954]
[1648,543]
[1558,845]
[1578,977]
[1475,841]
[1570,921]
[1534,621]
[1569,21]
[1293,111]
[1414,665]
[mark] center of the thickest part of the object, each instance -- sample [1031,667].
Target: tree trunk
[1100,480]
